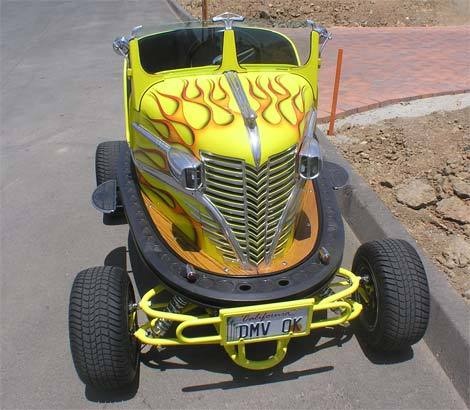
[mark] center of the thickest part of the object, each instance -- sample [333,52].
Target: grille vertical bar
[251,199]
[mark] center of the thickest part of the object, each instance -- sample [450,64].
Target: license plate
[268,324]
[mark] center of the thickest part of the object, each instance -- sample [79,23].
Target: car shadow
[213,358]
[338,176]
[275,375]
[113,396]
[385,358]
[117,257]
[112,220]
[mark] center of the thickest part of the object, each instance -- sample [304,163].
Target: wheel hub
[367,296]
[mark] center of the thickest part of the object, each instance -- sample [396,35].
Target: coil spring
[175,305]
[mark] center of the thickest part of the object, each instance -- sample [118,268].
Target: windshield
[196,44]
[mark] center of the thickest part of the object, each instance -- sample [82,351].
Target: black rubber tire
[105,354]
[401,292]
[106,163]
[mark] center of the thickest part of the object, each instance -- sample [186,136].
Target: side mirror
[324,34]
[121,46]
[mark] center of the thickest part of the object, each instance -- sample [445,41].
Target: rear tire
[394,281]
[106,166]
[104,351]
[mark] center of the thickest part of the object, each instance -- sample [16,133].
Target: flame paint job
[201,114]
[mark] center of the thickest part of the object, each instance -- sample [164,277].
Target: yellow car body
[196,111]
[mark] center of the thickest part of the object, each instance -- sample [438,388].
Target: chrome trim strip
[248,114]
[179,162]
[236,86]
[292,203]
[255,143]
[152,138]
[199,196]
[310,125]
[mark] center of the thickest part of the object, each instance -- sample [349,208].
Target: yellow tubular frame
[339,301]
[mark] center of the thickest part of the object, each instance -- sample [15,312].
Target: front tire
[101,324]
[395,294]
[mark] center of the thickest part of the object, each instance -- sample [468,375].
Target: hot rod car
[220,179]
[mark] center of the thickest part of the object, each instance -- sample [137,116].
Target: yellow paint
[229,54]
[126,101]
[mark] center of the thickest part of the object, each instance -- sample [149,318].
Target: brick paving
[387,65]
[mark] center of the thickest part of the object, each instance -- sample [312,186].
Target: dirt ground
[366,13]
[420,168]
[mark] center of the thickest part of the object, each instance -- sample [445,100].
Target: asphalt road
[61,96]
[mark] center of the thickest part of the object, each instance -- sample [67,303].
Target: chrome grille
[251,200]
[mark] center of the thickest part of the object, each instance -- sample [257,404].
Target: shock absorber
[175,305]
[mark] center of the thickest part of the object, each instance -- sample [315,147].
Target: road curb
[179,10]
[448,333]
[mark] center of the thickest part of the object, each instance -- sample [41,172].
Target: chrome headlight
[310,161]
[185,168]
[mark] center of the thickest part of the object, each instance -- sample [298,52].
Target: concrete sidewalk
[387,65]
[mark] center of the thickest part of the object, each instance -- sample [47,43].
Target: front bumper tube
[338,301]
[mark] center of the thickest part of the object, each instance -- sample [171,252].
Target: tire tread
[106,165]
[98,328]
[404,300]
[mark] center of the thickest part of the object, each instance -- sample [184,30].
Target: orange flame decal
[285,95]
[171,120]
[152,155]
[221,102]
